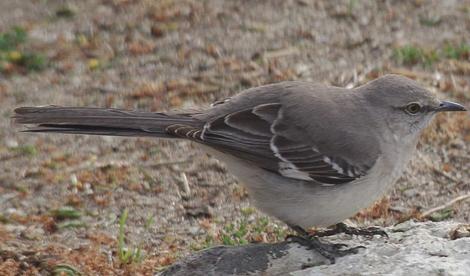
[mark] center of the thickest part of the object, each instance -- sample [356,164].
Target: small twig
[169,163]
[10,156]
[438,171]
[461,156]
[280,53]
[446,175]
[445,206]
[184,186]
[104,90]
[93,164]
[411,74]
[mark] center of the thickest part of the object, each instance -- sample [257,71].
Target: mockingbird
[308,154]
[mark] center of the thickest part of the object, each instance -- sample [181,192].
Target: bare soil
[184,54]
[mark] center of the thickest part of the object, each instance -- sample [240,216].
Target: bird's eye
[413,108]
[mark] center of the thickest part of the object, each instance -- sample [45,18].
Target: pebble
[11,143]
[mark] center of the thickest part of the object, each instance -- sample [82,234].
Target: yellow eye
[413,108]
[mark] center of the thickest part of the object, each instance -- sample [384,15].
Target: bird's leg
[343,228]
[328,250]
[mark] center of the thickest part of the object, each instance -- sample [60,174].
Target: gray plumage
[309,154]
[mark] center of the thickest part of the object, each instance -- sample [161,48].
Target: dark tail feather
[99,121]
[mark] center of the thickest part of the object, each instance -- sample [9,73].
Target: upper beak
[450,106]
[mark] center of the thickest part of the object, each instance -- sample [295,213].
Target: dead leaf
[157,31]
[461,231]
[447,167]
[213,51]
[149,90]
[140,47]
[101,238]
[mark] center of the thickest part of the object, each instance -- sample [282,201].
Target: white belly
[307,204]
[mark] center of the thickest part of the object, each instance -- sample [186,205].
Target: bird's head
[404,105]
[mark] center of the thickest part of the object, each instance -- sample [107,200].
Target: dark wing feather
[256,135]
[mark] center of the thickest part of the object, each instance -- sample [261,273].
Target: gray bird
[308,154]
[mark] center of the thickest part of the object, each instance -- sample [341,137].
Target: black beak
[450,106]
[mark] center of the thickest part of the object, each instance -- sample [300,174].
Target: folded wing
[258,134]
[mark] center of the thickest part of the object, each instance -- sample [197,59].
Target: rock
[32,233]
[460,231]
[11,143]
[253,259]
[413,248]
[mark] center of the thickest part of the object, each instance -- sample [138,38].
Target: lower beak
[450,106]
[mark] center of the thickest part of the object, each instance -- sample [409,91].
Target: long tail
[99,121]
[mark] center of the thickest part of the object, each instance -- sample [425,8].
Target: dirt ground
[62,197]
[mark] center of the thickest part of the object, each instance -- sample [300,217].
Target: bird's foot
[343,228]
[328,250]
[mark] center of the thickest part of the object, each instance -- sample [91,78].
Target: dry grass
[160,55]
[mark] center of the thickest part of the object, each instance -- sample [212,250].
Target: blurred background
[105,206]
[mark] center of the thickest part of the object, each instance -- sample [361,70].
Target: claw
[343,228]
[353,250]
[327,250]
[339,245]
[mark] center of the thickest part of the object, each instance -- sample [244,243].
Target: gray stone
[413,248]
